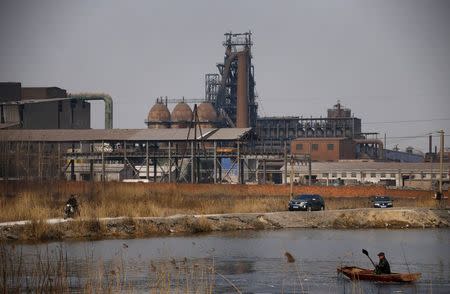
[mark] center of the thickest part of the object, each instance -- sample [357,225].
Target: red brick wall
[211,189]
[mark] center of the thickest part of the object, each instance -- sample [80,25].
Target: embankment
[59,229]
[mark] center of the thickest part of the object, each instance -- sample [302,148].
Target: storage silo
[207,115]
[181,115]
[158,116]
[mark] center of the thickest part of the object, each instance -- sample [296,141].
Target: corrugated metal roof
[70,135]
[30,101]
[228,133]
[9,125]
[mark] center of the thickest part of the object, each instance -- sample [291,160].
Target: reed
[51,271]
[37,201]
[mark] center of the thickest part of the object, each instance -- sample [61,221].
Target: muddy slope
[59,229]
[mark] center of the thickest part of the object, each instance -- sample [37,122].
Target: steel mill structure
[230,101]
[218,138]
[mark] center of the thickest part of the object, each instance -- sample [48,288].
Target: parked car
[307,202]
[383,202]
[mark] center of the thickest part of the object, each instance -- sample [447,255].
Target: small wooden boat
[357,273]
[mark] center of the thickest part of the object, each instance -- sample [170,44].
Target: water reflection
[255,262]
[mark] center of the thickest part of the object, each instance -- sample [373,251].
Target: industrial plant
[45,133]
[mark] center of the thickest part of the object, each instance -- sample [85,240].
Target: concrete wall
[40,116]
[72,115]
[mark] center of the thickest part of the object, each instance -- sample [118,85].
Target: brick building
[325,149]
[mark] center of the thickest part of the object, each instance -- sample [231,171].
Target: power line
[414,137]
[406,121]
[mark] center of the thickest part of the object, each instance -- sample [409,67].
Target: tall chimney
[242,90]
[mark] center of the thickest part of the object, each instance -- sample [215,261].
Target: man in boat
[383,266]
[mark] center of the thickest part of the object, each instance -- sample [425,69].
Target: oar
[364,251]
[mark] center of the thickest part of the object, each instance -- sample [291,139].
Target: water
[254,261]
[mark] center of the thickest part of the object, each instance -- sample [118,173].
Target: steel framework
[222,89]
[193,160]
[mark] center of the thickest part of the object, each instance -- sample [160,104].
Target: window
[392,175]
[363,175]
[333,175]
[330,147]
[299,147]
[373,175]
[343,175]
[353,175]
[433,176]
[325,175]
[315,147]
[383,175]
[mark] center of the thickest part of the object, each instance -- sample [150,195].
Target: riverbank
[127,227]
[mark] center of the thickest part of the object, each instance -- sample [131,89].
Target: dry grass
[34,201]
[50,271]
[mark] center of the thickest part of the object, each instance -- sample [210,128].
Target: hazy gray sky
[387,60]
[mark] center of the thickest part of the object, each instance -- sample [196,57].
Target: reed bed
[39,201]
[51,271]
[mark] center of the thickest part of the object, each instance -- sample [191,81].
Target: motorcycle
[69,211]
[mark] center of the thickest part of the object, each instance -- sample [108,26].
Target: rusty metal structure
[338,123]
[192,155]
[232,91]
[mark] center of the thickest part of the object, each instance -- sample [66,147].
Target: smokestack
[242,90]
[430,144]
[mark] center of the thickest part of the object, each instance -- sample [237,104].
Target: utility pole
[292,176]
[441,161]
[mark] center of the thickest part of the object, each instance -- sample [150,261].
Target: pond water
[255,261]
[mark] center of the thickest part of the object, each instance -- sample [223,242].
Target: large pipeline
[242,90]
[98,96]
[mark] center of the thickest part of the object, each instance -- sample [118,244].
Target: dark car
[307,202]
[382,202]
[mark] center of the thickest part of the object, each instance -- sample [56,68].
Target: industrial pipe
[98,96]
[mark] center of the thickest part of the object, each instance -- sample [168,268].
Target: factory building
[324,149]
[41,108]
[218,139]
[338,123]
[412,175]
[230,101]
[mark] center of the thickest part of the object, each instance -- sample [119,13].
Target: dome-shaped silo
[207,115]
[181,115]
[158,116]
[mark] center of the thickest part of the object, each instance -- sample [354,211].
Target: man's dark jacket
[383,267]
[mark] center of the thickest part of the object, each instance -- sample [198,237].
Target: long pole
[441,161]
[285,163]
[292,176]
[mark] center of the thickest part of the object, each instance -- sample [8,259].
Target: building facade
[324,149]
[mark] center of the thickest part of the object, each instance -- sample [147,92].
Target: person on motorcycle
[73,202]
